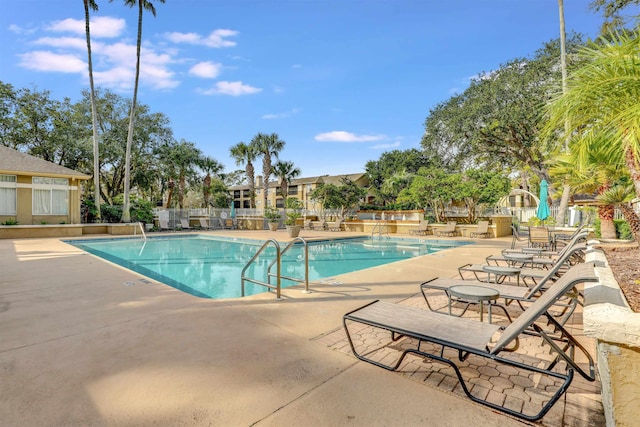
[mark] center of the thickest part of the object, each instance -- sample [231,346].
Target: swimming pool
[210,267]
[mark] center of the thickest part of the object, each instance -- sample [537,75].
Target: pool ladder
[379,226]
[278,263]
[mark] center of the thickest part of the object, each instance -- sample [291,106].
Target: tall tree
[566,190]
[142,5]
[497,120]
[287,172]
[602,100]
[211,167]
[245,154]
[91,4]
[268,146]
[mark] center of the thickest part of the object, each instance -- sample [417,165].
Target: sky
[340,81]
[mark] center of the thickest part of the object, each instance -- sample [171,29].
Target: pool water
[211,267]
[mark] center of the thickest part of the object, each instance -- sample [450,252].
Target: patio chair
[307,224]
[482,230]
[539,257]
[226,223]
[164,225]
[569,258]
[540,237]
[449,230]
[470,338]
[336,226]
[510,292]
[204,224]
[518,237]
[422,230]
[184,224]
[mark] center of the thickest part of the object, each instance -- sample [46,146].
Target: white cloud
[21,30]
[281,115]
[62,42]
[101,26]
[49,61]
[206,70]
[217,38]
[232,89]
[342,136]
[385,146]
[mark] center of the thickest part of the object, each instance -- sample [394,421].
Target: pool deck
[84,342]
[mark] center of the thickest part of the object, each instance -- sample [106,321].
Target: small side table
[521,259]
[502,272]
[477,294]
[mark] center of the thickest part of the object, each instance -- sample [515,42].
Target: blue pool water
[211,267]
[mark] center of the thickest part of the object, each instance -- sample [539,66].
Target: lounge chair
[184,225]
[307,224]
[482,230]
[336,226]
[164,225]
[204,224]
[538,256]
[226,223]
[322,226]
[570,257]
[510,292]
[470,338]
[449,230]
[422,230]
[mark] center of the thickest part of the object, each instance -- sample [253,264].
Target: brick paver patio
[580,406]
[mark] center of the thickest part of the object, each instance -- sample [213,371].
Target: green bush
[623,231]
[10,221]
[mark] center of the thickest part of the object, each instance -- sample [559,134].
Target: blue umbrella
[233,210]
[543,207]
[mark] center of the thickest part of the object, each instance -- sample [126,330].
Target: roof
[16,162]
[323,179]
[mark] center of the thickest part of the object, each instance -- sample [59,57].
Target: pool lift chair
[469,339]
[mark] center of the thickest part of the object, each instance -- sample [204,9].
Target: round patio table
[502,272]
[474,294]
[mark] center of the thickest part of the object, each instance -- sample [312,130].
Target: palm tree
[566,189]
[621,195]
[142,5]
[287,172]
[91,4]
[212,167]
[589,167]
[268,146]
[246,153]
[602,99]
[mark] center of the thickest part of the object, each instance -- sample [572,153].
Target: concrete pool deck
[85,342]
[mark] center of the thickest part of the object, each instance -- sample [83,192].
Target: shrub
[10,221]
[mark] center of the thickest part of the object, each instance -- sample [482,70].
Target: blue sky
[340,81]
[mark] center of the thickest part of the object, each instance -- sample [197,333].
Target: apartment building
[300,189]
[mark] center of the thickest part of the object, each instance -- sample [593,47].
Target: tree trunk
[632,218]
[126,215]
[607,227]
[94,119]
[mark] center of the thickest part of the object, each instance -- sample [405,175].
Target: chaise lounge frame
[470,337]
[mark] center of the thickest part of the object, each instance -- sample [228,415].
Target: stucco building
[34,191]
[300,189]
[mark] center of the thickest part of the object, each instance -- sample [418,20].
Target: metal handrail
[243,278]
[379,225]
[306,264]
[141,230]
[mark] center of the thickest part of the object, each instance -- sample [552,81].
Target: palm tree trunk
[566,189]
[126,215]
[94,118]
[266,172]
[632,218]
[252,185]
[607,227]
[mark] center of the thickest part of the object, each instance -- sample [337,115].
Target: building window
[293,191]
[236,194]
[8,194]
[50,196]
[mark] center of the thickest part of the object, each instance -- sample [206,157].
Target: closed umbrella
[543,208]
